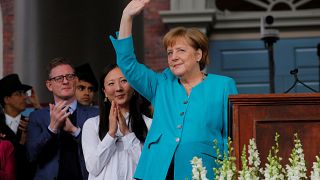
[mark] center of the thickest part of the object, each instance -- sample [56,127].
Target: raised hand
[113,122]
[132,9]
[58,115]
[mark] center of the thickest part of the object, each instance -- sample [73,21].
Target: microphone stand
[268,42]
[296,81]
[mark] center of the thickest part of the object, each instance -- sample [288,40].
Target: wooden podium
[260,116]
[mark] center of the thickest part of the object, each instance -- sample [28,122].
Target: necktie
[72,117]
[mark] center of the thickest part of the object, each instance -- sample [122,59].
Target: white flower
[297,168]
[251,170]
[254,159]
[315,173]
[198,171]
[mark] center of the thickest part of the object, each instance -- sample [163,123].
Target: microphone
[294,71]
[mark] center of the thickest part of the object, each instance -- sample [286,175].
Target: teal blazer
[183,126]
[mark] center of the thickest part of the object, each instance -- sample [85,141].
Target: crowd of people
[107,130]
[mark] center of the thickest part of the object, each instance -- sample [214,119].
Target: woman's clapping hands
[117,120]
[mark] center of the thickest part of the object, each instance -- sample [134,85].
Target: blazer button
[177,139]
[182,113]
[179,126]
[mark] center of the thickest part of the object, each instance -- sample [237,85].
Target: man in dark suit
[54,141]
[13,99]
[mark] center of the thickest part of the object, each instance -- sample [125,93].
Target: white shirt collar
[73,106]
[13,122]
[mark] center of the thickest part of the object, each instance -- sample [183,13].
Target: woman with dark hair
[7,159]
[112,142]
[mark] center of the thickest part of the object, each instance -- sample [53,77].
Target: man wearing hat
[13,99]
[87,85]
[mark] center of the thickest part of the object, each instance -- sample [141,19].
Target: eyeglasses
[59,79]
[19,93]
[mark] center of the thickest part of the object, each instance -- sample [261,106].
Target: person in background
[190,106]
[13,99]
[7,159]
[112,142]
[87,85]
[54,141]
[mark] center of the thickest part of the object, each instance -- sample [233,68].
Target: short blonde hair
[194,37]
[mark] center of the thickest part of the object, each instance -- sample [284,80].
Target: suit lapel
[47,114]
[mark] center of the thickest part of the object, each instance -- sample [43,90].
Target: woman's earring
[106,99]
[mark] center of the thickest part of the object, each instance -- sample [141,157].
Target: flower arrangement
[294,170]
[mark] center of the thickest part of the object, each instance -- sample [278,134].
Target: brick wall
[7,8]
[154,30]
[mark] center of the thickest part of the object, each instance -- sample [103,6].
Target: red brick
[155,54]
[7,8]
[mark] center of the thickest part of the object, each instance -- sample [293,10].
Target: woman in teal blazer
[190,107]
